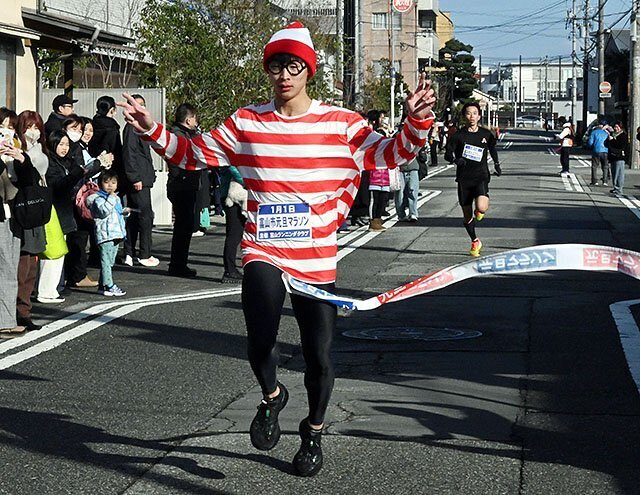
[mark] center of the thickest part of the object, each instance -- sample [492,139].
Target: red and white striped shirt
[302,174]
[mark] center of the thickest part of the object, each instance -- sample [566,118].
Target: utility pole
[392,57]
[521,88]
[601,77]
[585,66]
[574,59]
[635,83]
[546,88]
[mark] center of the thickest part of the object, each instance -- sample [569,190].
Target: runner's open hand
[420,103]
[135,114]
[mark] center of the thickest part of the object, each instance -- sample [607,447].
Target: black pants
[380,199]
[184,212]
[139,223]
[75,262]
[262,299]
[234,227]
[564,158]
[434,154]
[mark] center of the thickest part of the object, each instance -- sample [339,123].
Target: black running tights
[263,295]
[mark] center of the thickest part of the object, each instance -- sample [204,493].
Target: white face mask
[74,136]
[32,135]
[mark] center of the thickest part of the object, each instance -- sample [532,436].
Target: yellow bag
[56,245]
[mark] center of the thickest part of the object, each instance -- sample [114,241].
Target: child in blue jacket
[108,215]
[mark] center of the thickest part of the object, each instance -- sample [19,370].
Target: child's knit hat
[294,40]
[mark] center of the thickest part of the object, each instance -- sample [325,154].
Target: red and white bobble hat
[295,39]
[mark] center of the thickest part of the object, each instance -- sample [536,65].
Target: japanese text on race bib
[473,153]
[284,221]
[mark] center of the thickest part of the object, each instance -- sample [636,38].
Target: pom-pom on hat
[295,39]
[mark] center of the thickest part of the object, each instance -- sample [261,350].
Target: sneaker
[265,430]
[479,215]
[605,183]
[198,233]
[50,300]
[149,262]
[565,174]
[114,290]
[476,246]
[413,218]
[128,260]
[28,324]
[232,278]
[594,183]
[85,283]
[308,460]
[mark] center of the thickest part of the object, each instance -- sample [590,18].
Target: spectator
[75,264]
[62,108]
[9,242]
[407,196]
[433,140]
[618,144]
[30,131]
[599,151]
[140,173]
[62,176]
[234,220]
[182,190]
[379,187]
[566,138]
[106,138]
[108,216]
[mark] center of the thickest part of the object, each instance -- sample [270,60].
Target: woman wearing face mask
[30,131]
[106,138]
[62,177]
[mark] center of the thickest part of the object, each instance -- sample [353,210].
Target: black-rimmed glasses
[294,67]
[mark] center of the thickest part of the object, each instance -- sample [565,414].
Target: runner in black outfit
[468,150]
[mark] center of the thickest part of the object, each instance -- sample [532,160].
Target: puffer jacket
[379,178]
[108,216]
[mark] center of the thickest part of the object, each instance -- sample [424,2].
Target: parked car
[529,121]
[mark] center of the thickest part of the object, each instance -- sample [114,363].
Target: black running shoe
[308,459]
[265,430]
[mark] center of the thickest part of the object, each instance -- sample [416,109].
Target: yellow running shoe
[479,216]
[476,246]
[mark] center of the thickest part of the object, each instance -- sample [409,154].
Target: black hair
[107,174]
[470,104]
[85,121]
[139,97]
[73,119]
[183,112]
[10,114]
[104,104]
[54,140]
[373,116]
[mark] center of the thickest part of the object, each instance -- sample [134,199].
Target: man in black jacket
[182,191]
[62,108]
[138,168]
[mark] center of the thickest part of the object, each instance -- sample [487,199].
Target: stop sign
[605,87]
[402,6]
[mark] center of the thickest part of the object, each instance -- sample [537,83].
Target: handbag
[32,206]
[395,183]
[56,244]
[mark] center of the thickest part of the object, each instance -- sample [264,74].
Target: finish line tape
[531,259]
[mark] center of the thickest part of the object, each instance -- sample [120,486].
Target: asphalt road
[513,384]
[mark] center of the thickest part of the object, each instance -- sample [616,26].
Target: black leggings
[263,295]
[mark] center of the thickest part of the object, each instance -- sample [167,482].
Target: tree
[209,53]
[377,88]
[458,81]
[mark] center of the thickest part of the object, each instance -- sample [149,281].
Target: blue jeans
[617,173]
[407,196]
[599,160]
[108,251]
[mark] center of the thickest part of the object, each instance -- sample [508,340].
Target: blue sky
[501,30]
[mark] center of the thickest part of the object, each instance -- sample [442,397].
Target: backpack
[32,206]
[86,190]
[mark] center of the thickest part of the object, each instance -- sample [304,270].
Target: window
[426,20]
[7,72]
[379,21]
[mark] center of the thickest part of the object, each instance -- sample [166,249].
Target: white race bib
[280,221]
[473,153]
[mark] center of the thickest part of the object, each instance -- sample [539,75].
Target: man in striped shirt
[300,160]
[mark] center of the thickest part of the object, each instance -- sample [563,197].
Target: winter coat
[180,180]
[597,140]
[228,174]
[106,137]
[618,147]
[107,213]
[379,179]
[53,123]
[409,166]
[136,155]
[62,178]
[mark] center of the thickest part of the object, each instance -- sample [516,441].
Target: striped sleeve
[207,150]
[371,150]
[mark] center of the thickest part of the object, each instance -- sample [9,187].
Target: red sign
[605,87]
[402,6]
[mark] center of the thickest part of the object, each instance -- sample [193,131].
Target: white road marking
[632,203]
[629,336]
